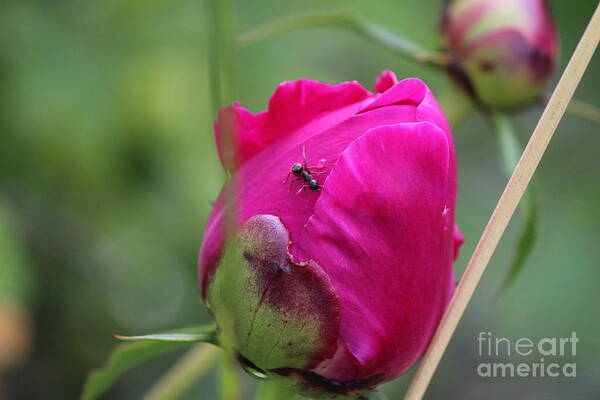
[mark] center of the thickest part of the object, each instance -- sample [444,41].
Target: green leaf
[128,355]
[171,337]
[510,151]
[527,237]
[123,358]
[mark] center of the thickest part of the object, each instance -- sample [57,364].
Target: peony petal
[383,231]
[459,239]
[408,91]
[292,105]
[429,110]
[212,244]
[385,80]
[295,103]
[263,184]
[246,135]
[456,25]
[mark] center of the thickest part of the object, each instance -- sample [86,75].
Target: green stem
[229,378]
[222,53]
[584,110]
[271,391]
[510,148]
[510,152]
[186,372]
[375,395]
[455,102]
[222,81]
[579,108]
[348,20]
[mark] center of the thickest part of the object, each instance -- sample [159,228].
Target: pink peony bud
[334,288]
[506,48]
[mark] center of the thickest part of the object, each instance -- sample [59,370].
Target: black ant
[304,174]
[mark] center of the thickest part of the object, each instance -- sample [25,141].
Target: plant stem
[229,379]
[455,102]
[584,110]
[510,150]
[402,46]
[222,77]
[348,20]
[178,381]
[578,108]
[222,81]
[508,142]
[506,206]
[222,53]
[271,391]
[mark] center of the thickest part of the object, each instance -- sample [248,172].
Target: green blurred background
[108,168]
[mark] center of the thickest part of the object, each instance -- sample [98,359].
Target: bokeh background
[108,169]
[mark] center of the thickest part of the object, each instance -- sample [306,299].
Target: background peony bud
[506,48]
[335,291]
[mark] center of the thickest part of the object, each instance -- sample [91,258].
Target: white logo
[547,350]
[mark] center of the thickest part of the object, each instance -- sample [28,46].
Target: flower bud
[333,283]
[506,49]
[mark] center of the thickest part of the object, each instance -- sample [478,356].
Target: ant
[303,174]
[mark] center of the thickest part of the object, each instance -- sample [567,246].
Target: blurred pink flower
[364,264]
[506,48]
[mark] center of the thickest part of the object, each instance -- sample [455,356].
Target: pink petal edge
[292,105]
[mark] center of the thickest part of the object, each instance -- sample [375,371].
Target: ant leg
[294,181]
[304,158]
[318,169]
[302,189]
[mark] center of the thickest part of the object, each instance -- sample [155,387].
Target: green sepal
[270,310]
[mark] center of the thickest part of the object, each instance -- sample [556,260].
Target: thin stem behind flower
[349,20]
[584,110]
[579,108]
[186,372]
[223,78]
